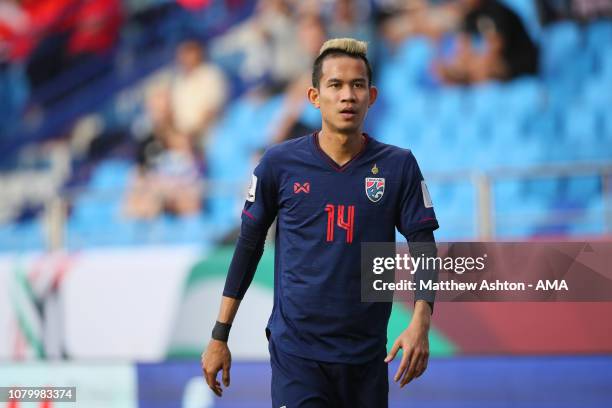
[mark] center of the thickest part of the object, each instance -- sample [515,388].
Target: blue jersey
[324,212]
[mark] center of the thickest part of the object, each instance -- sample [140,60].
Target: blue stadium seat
[561,43]
[522,98]
[455,208]
[111,174]
[595,94]
[393,83]
[522,218]
[415,56]
[606,69]
[598,41]
[591,221]
[29,235]
[582,189]
[96,211]
[311,116]
[607,130]
[388,131]
[506,193]
[485,100]
[598,34]
[545,189]
[450,103]
[22,236]
[580,125]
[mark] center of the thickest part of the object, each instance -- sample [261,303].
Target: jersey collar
[330,161]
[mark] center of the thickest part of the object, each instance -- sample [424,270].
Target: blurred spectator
[14,22]
[350,20]
[94,27]
[506,51]
[13,94]
[550,11]
[168,174]
[419,18]
[266,42]
[312,34]
[52,35]
[278,24]
[198,92]
[194,4]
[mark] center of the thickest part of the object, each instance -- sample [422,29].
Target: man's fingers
[415,362]
[216,388]
[211,380]
[410,371]
[226,375]
[422,366]
[403,365]
[392,352]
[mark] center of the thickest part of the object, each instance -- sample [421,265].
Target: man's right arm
[248,252]
[258,214]
[217,355]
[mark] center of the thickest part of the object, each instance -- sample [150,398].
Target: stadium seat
[582,189]
[415,56]
[506,193]
[561,43]
[485,100]
[22,236]
[594,94]
[311,116]
[522,98]
[393,83]
[456,222]
[598,41]
[591,221]
[111,175]
[580,125]
[450,104]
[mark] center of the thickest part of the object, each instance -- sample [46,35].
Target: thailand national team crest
[375,188]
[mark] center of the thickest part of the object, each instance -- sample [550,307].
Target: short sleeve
[416,210]
[261,205]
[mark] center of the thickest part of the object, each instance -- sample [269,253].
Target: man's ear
[373,95]
[313,97]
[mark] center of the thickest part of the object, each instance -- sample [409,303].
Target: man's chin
[348,129]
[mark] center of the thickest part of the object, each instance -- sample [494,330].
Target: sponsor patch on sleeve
[426,197]
[252,187]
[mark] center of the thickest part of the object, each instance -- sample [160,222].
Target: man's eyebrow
[333,80]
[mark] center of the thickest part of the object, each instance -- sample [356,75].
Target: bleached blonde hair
[348,45]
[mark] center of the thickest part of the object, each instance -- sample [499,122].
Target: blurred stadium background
[116,228]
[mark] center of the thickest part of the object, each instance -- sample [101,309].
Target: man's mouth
[348,113]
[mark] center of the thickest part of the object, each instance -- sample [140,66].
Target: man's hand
[216,357]
[414,342]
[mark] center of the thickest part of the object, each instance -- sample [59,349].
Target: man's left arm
[416,221]
[414,340]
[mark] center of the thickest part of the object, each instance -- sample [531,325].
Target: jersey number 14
[345,220]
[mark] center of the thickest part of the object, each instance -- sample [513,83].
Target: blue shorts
[302,383]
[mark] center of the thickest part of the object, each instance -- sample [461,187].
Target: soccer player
[329,191]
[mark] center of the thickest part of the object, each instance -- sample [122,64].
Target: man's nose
[347,93]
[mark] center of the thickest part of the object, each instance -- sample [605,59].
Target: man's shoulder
[392,152]
[283,150]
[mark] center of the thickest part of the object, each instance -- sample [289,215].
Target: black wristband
[221,331]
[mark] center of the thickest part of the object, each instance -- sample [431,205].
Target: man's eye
[335,85]
[358,85]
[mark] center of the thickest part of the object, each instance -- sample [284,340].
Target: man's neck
[340,147]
